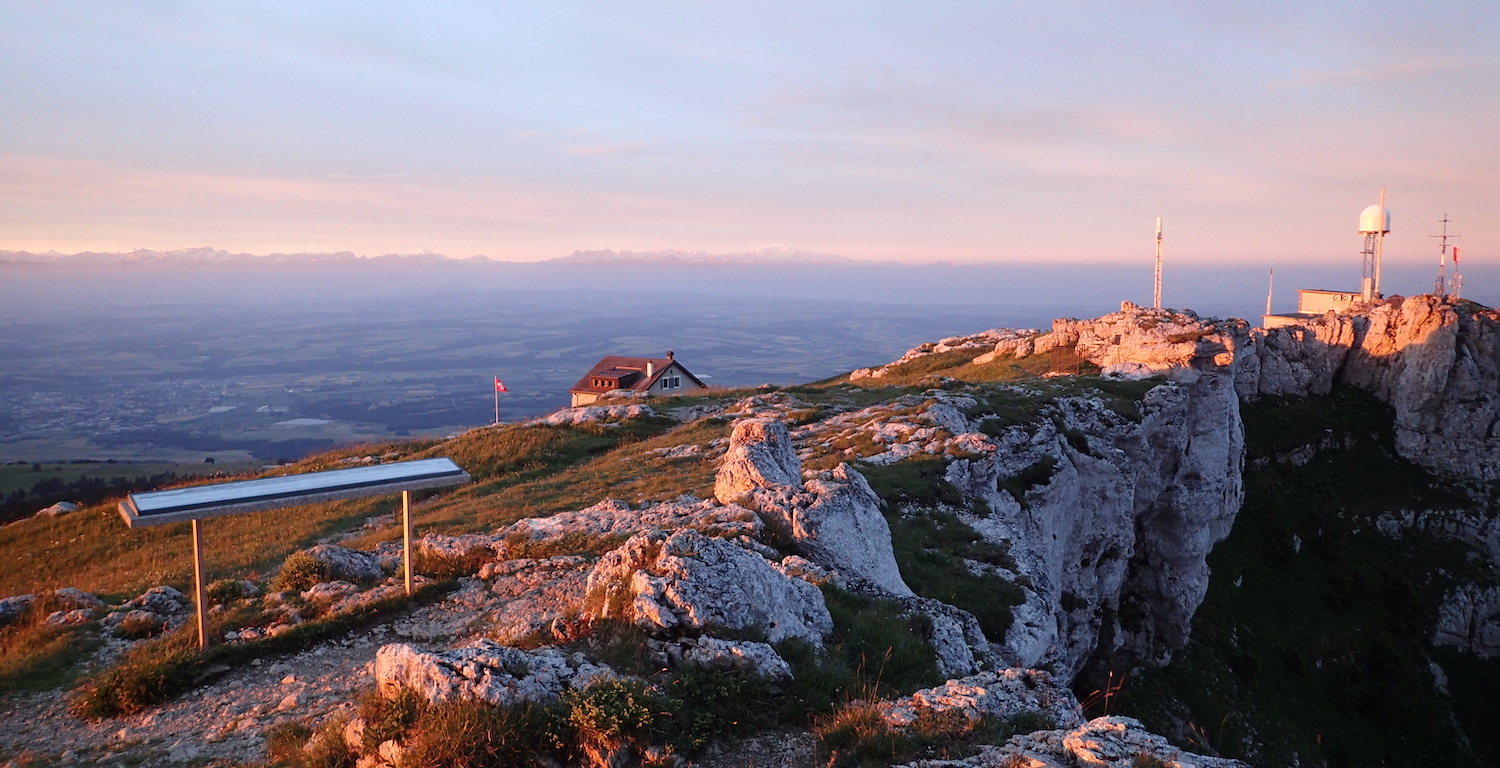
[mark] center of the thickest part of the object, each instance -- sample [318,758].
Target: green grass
[35,655]
[514,470]
[931,544]
[1321,655]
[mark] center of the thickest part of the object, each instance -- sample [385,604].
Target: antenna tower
[1374,223]
[1440,288]
[1156,302]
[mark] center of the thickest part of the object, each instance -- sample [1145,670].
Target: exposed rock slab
[685,580]
[1000,694]
[484,670]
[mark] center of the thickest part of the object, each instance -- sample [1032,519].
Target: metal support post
[198,583]
[406,537]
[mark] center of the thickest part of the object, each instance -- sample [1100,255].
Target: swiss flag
[499,387]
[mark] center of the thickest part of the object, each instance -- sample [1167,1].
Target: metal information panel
[198,502]
[267,493]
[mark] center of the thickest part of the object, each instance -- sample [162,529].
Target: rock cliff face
[1113,540]
[1435,362]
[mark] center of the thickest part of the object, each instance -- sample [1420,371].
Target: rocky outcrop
[999,695]
[538,597]
[688,581]
[348,564]
[1104,742]
[835,517]
[1436,362]
[607,415]
[610,522]
[1469,619]
[716,654]
[484,670]
[1114,519]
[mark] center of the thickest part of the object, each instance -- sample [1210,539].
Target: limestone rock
[484,670]
[1104,742]
[1000,694]
[612,521]
[58,510]
[1437,363]
[835,517]
[1469,619]
[538,597]
[347,564]
[162,600]
[591,414]
[686,580]
[713,653]
[760,456]
[69,618]
[15,605]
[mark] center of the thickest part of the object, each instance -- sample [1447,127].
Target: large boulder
[835,518]
[687,581]
[760,456]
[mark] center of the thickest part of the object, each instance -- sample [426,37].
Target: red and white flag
[498,386]
[1455,255]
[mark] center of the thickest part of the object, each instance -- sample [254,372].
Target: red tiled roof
[630,372]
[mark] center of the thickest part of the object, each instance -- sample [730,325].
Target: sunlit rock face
[1437,363]
[1112,542]
[835,516]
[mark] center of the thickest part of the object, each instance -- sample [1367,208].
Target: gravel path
[225,722]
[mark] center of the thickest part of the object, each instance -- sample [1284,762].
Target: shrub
[300,571]
[284,742]
[139,626]
[1148,760]
[388,718]
[711,705]
[474,734]
[148,674]
[226,591]
[612,710]
[857,735]
[292,744]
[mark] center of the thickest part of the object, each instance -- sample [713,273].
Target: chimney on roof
[669,354]
[650,368]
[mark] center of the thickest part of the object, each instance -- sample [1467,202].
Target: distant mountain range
[205,255]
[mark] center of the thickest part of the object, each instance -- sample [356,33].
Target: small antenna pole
[1440,288]
[1380,242]
[1269,290]
[1156,302]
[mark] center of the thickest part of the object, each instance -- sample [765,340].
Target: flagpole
[497,401]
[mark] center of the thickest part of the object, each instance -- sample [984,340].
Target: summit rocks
[835,517]
[686,580]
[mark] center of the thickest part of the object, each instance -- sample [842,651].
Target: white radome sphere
[1369,220]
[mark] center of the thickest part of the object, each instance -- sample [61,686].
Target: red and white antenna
[1440,288]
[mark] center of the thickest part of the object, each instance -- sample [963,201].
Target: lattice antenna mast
[1374,223]
[1440,288]
[1156,302]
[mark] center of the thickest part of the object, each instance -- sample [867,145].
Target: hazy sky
[918,131]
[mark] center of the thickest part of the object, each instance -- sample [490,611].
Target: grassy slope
[94,551]
[1319,650]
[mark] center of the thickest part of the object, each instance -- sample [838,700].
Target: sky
[960,131]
